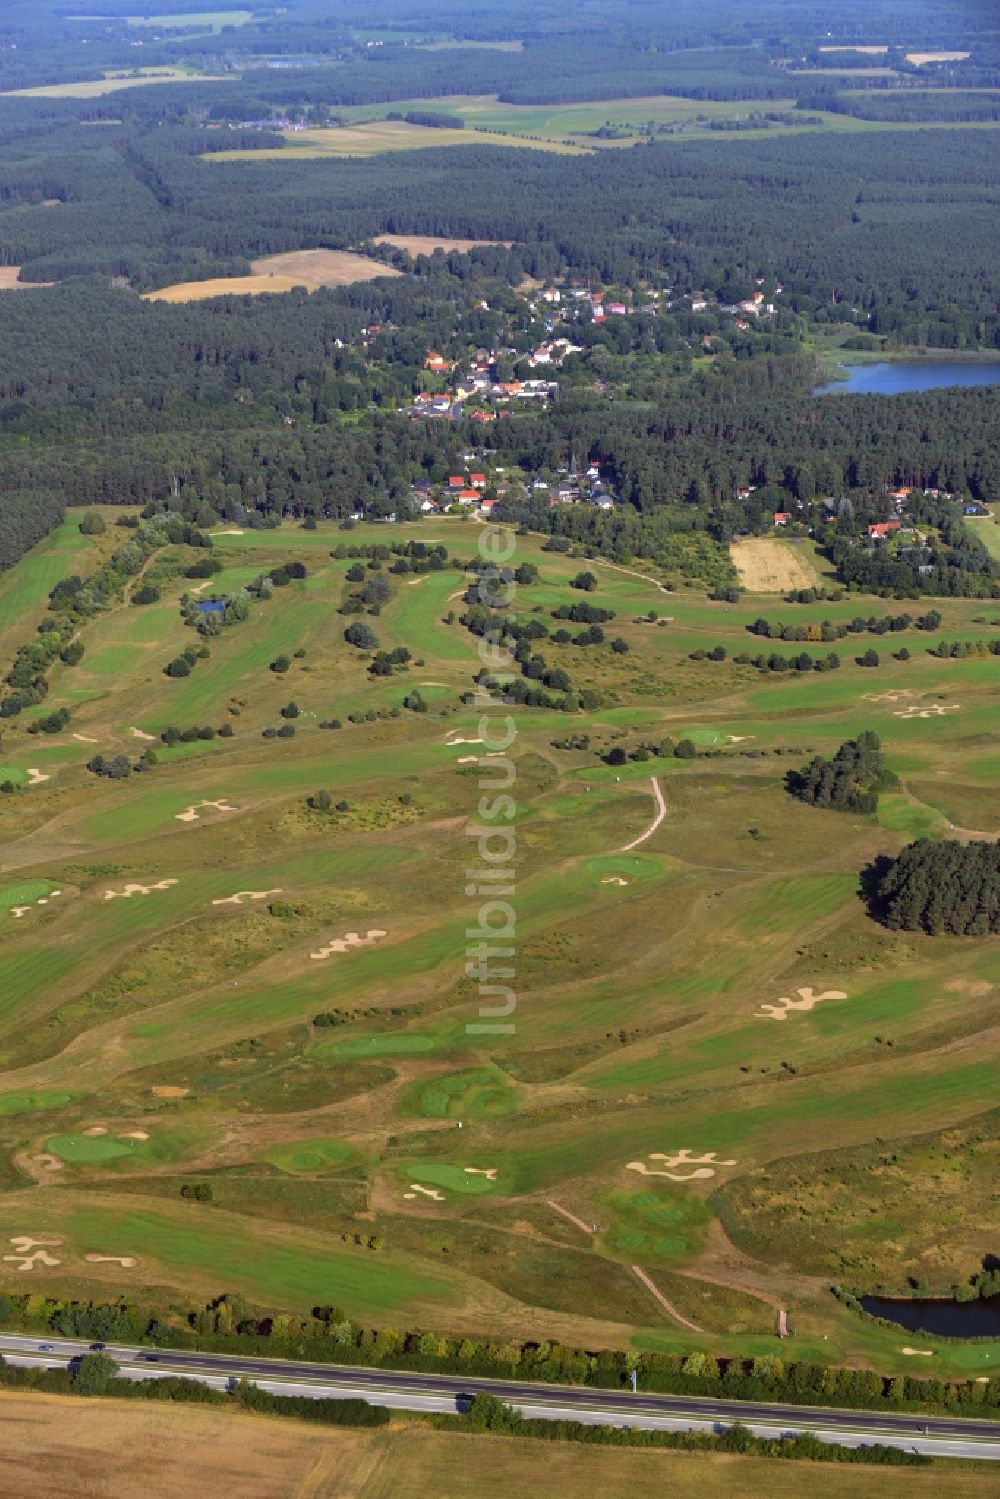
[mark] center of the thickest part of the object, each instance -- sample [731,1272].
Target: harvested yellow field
[767,565]
[94,1449]
[93,88]
[9,281]
[280,273]
[314,268]
[56,1445]
[373,137]
[426,244]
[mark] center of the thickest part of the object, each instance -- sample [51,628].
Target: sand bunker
[85,739]
[238,898]
[918,1352]
[136,1134]
[353,939]
[414,582]
[95,1130]
[450,743]
[895,695]
[190,814]
[233,531]
[937,711]
[490,1172]
[705,1165]
[431,1192]
[166,1090]
[131,890]
[614,879]
[468,760]
[17,911]
[49,1162]
[30,1252]
[141,734]
[739,738]
[808,999]
[36,777]
[661,812]
[434,684]
[125,1260]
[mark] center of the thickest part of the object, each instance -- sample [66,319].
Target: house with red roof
[883,528]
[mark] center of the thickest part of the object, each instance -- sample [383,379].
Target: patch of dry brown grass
[280,273]
[767,565]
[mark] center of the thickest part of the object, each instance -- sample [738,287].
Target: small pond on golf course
[894,378]
[938,1317]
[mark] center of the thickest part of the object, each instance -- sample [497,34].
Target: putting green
[24,893]
[452,1178]
[89,1150]
[309,1157]
[480,1093]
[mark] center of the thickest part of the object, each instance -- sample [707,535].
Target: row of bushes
[229,1325]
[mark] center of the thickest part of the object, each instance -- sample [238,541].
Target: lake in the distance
[894,379]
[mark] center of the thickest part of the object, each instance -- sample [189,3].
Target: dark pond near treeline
[940,1318]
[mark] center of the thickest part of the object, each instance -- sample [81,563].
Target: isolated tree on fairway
[361,635]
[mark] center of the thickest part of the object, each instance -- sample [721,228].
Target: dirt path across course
[671,1310]
[584,1227]
[661,812]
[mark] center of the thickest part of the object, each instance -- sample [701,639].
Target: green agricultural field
[705,1036]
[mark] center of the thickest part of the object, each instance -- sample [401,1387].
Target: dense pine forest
[702,419]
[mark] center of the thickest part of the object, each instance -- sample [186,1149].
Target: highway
[937,1436]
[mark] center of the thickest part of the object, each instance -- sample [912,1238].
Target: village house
[883,528]
[435,362]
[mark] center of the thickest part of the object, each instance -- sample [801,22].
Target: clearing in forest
[766,565]
[278,273]
[426,244]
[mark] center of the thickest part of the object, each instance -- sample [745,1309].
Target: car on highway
[46,1348]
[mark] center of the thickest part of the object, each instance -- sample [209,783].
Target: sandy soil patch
[190,814]
[352,939]
[766,565]
[127,1261]
[131,890]
[9,281]
[426,244]
[705,1165]
[241,895]
[36,777]
[167,1090]
[808,1000]
[431,1192]
[661,812]
[141,734]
